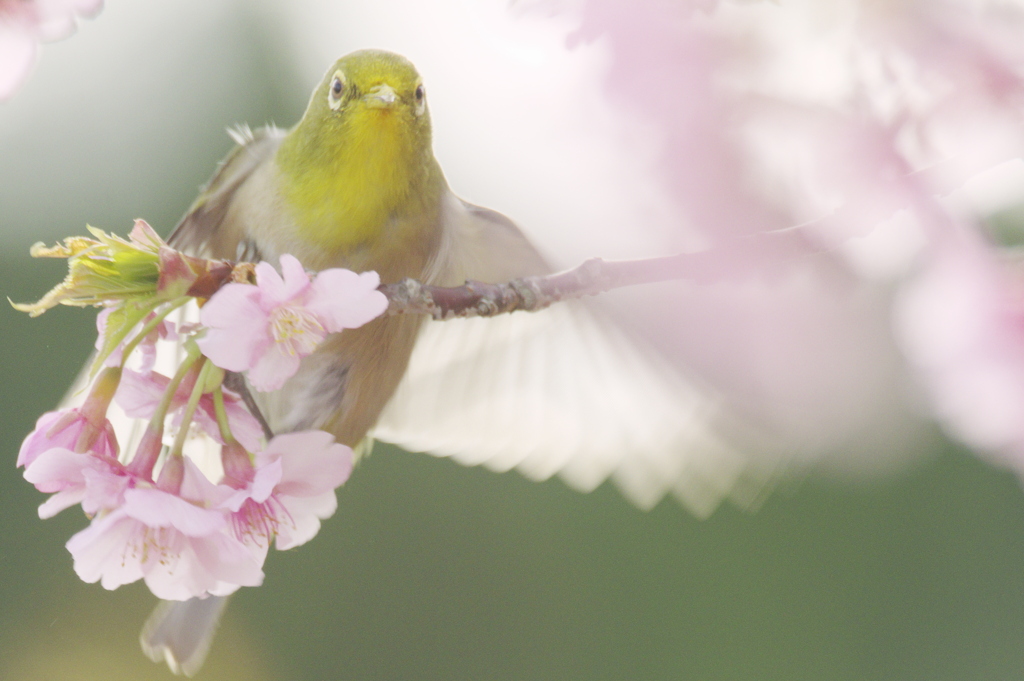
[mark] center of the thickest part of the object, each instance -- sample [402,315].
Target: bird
[355,184]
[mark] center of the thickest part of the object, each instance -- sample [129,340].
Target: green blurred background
[430,570]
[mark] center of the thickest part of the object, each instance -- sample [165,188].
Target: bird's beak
[380,97]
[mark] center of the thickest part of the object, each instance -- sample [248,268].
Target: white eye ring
[336,91]
[421,99]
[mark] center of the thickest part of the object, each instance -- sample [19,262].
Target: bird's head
[369,95]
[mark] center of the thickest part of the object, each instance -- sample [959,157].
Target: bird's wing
[201,231]
[563,391]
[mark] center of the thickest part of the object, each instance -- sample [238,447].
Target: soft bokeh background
[430,570]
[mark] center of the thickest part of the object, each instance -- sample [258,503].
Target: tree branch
[530,294]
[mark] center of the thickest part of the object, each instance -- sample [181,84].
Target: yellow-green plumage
[363,171]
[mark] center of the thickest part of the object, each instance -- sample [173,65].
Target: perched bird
[355,184]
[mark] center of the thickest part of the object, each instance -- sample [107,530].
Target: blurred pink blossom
[839,111]
[266,329]
[961,321]
[26,23]
[808,146]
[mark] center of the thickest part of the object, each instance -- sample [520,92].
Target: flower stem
[116,338]
[222,415]
[94,409]
[193,354]
[148,328]
[190,408]
[145,457]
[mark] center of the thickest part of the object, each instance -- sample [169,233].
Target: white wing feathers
[562,391]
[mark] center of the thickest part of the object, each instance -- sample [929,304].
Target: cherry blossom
[175,543]
[266,329]
[292,489]
[68,428]
[96,482]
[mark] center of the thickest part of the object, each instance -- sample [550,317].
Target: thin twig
[235,382]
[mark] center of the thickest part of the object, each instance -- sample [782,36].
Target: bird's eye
[421,99]
[337,90]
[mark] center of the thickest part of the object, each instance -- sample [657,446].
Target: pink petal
[57,469]
[174,577]
[342,299]
[104,489]
[105,550]
[270,285]
[237,327]
[312,463]
[198,489]
[305,513]
[55,29]
[53,470]
[60,501]
[95,482]
[41,439]
[217,565]
[231,561]
[244,426]
[57,17]
[258,491]
[266,479]
[17,54]
[139,394]
[273,369]
[157,508]
[295,278]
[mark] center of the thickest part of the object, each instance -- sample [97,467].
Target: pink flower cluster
[961,323]
[26,23]
[158,514]
[182,534]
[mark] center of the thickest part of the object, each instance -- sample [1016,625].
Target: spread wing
[204,230]
[563,391]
